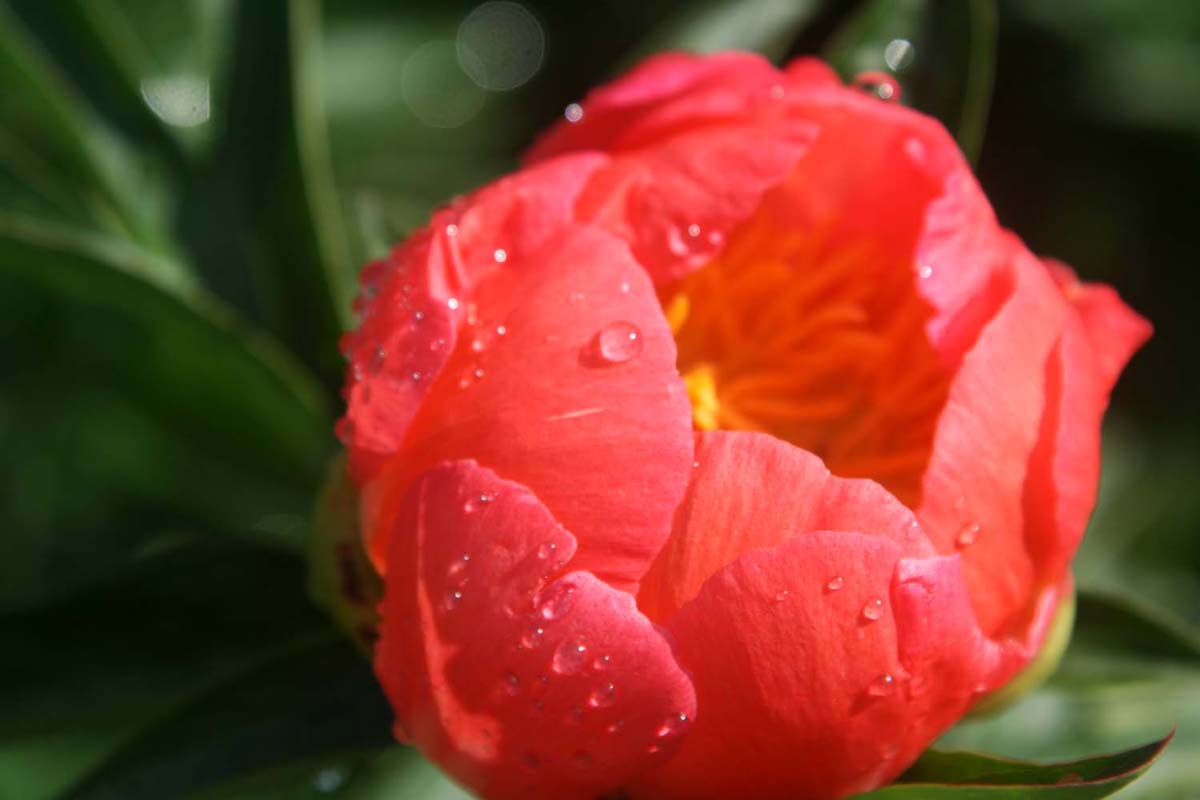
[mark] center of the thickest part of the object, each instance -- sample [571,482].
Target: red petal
[605,444]
[800,694]
[408,326]
[751,491]
[972,489]
[515,681]
[1064,470]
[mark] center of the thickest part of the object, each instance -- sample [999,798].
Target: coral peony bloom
[730,448]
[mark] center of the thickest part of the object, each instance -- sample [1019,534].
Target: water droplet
[568,657]
[693,230]
[546,550]
[601,663]
[835,583]
[625,287]
[416,376]
[925,271]
[672,725]
[695,465]
[615,343]
[512,684]
[555,601]
[452,303]
[457,568]
[477,346]
[967,534]
[898,54]
[603,696]
[451,229]
[781,596]
[615,727]
[880,84]
[418,316]
[477,502]
[881,686]
[378,356]
[329,779]
[532,638]
[437,344]
[478,373]
[501,330]
[453,598]
[873,609]
[500,255]
[573,113]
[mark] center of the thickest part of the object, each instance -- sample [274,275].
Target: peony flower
[729,448]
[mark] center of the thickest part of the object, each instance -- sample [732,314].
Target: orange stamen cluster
[817,341]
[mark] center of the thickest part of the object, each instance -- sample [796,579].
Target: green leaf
[967,776]
[82,676]
[57,158]
[316,697]
[276,213]
[942,53]
[763,26]
[132,405]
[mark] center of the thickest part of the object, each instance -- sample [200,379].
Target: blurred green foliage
[186,192]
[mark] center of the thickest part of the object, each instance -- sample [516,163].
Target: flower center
[817,338]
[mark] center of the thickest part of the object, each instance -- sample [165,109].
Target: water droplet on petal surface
[967,534]
[881,686]
[512,684]
[603,696]
[873,609]
[835,583]
[615,343]
[568,657]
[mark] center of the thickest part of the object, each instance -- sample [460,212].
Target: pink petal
[751,491]
[604,441]
[802,691]
[517,678]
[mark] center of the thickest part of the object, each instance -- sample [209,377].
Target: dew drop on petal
[925,271]
[672,726]
[500,255]
[546,550]
[603,696]
[568,657]
[835,583]
[555,601]
[873,609]
[693,230]
[881,686]
[453,598]
[452,303]
[967,534]
[780,596]
[615,343]
[451,229]
[601,663]
[512,684]
[532,637]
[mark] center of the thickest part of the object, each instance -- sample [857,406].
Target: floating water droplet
[925,271]
[615,343]
[512,684]
[568,657]
[898,54]
[835,583]
[453,598]
[603,696]
[500,255]
[881,686]
[452,303]
[967,534]
[555,601]
[573,113]
[873,609]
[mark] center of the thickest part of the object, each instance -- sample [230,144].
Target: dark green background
[170,300]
